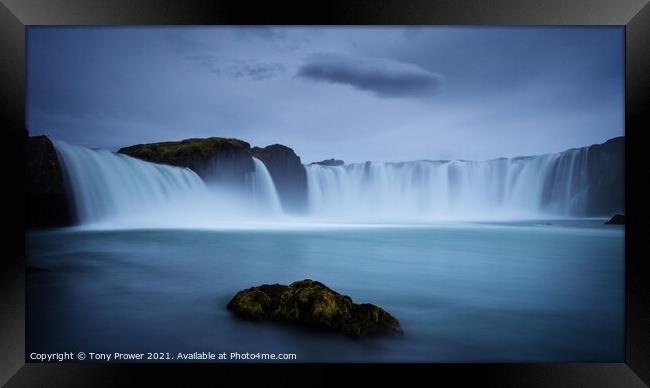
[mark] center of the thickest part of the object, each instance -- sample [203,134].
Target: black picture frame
[15,15]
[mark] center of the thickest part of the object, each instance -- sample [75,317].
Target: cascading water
[115,188]
[523,187]
[265,196]
[118,190]
[105,185]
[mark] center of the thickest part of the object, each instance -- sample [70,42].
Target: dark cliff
[215,159]
[595,176]
[606,177]
[46,199]
[288,174]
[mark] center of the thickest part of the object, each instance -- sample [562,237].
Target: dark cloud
[512,91]
[239,69]
[383,77]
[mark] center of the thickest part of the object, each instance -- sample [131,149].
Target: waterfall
[524,187]
[124,191]
[105,185]
[118,190]
[265,196]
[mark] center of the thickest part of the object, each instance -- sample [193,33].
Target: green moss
[250,304]
[178,149]
[311,303]
[197,154]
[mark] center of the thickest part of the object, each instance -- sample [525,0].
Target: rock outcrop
[606,177]
[596,176]
[288,174]
[311,303]
[46,198]
[617,219]
[330,162]
[213,159]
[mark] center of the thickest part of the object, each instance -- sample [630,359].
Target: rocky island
[311,303]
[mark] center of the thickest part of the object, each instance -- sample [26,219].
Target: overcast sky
[382,94]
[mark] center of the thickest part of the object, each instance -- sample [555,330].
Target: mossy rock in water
[311,303]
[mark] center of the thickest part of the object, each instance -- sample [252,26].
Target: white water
[265,196]
[530,187]
[106,185]
[121,191]
[112,190]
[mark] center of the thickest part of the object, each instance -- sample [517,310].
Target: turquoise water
[520,292]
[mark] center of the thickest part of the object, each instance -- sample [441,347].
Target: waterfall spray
[107,186]
[524,187]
